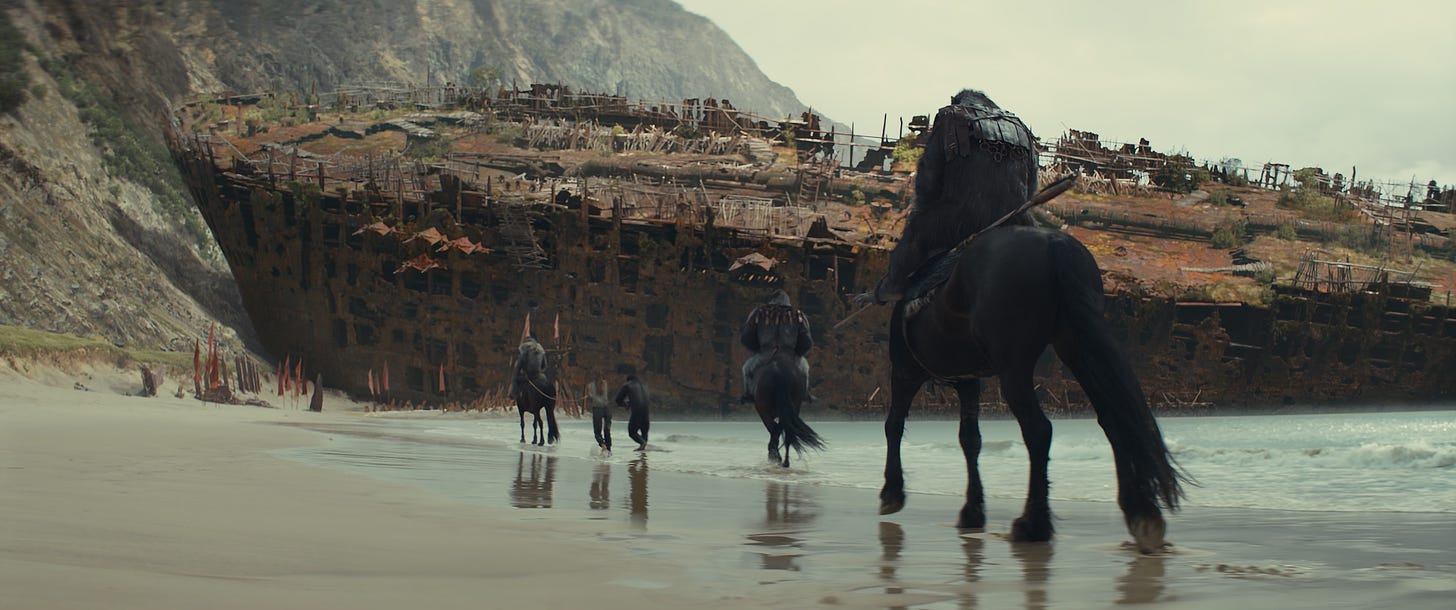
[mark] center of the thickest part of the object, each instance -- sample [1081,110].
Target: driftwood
[316,404]
[151,380]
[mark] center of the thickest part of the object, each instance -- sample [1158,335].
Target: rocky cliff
[96,235]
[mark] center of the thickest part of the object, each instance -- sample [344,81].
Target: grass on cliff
[13,79]
[131,152]
[38,344]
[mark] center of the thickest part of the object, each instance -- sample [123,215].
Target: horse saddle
[932,274]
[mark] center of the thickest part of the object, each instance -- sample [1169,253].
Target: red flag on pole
[526,331]
[302,387]
[196,367]
[284,383]
[386,376]
[556,328]
[442,378]
[212,366]
[371,383]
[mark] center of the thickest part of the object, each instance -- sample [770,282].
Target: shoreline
[160,502]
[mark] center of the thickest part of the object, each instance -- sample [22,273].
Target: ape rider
[530,367]
[997,162]
[774,326]
[633,395]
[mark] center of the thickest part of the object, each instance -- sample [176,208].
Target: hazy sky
[1329,83]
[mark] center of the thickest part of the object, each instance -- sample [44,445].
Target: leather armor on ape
[775,326]
[997,163]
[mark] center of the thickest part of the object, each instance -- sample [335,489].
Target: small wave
[1416,455]
[997,446]
[1412,455]
[697,439]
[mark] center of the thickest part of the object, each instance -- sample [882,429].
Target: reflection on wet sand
[787,504]
[786,508]
[892,541]
[600,494]
[1036,568]
[532,487]
[1143,582]
[637,491]
[974,549]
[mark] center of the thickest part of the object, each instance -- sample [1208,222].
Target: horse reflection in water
[974,548]
[788,509]
[1036,569]
[1143,583]
[637,491]
[601,498]
[892,542]
[532,487]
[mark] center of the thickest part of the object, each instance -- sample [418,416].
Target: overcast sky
[1329,83]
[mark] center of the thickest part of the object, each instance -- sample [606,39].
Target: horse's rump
[779,393]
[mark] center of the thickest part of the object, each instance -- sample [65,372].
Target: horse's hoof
[971,519]
[890,507]
[1148,533]
[1031,530]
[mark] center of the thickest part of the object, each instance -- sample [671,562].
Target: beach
[128,502]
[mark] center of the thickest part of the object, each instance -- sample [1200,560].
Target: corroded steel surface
[659,300]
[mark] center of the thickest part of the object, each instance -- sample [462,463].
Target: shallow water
[1383,462]
[1316,511]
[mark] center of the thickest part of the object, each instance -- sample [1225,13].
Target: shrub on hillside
[1306,197]
[130,152]
[906,153]
[14,82]
[1180,175]
[1229,234]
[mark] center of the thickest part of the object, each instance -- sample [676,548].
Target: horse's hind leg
[1145,473]
[773,444]
[538,432]
[1035,522]
[902,391]
[973,513]
[522,413]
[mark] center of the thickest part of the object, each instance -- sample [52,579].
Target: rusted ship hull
[659,300]
[611,298]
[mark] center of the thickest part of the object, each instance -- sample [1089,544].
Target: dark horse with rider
[979,292]
[776,376]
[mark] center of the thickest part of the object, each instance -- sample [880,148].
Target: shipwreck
[415,234]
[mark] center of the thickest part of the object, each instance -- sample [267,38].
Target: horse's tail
[553,433]
[788,394]
[1146,470]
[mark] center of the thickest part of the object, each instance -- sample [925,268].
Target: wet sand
[159,503]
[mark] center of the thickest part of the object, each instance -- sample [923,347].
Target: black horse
[533,398]
[1013,291]
[778,394]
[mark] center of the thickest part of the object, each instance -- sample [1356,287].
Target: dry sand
[120,502]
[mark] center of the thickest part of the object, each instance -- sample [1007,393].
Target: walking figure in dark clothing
[601,410]
[633,395]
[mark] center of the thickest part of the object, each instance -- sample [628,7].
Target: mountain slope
[95,235]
